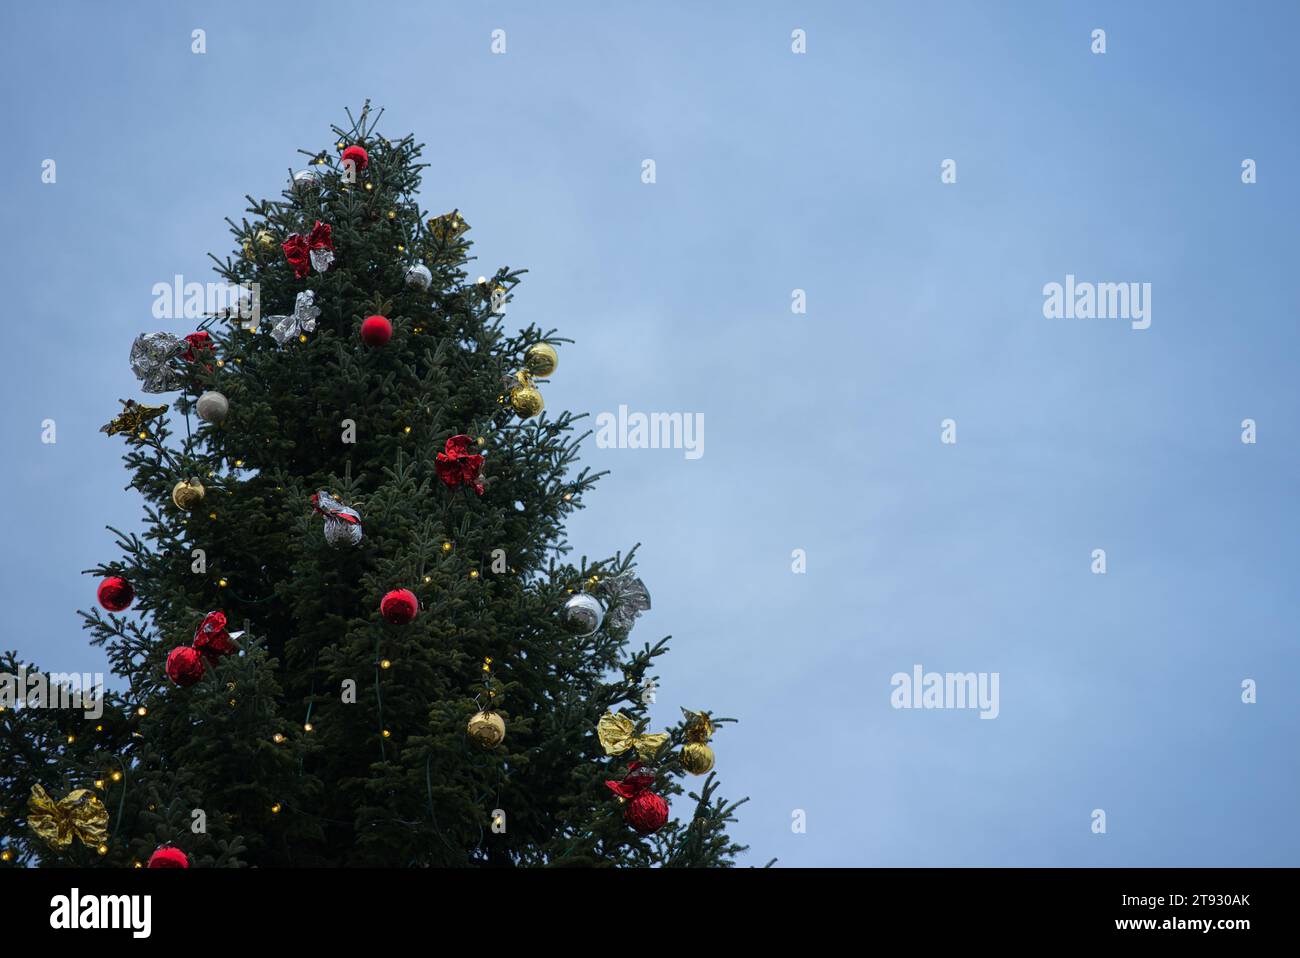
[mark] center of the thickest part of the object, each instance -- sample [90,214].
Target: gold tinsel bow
[698,726]
[618,734]
[81,815]
[132,418]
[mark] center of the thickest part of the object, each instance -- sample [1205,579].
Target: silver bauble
[306,179]
[212,407]
[340,534]
[419,277]
[582,615]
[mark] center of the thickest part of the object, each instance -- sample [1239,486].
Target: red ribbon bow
[212,639]
[297,248]
[637,780]
[458,465]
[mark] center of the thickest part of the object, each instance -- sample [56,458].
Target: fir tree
[334,737]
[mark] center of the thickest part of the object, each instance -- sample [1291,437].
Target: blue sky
[777,172]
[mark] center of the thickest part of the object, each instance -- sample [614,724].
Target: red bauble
[357,155]
[399,606]
[184,666]
[168,856]
[646,813]
[115,593]
[376,330]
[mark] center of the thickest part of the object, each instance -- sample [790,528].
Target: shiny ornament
[447,227]
[132,418]
[582,615]
[696,758]
[211,638]
[212,407]
[419,277]
[644,810]
[307,179]
[541,359]
[152,356]
[168,856]
[313,251]
[81,815]
[526,401]
[301,320]
[264,240]
[188,494]
[456,465]
[115,593]
[376,330]
[342,524]
[399,607]
[486,729]
[357,155]
[197,344]
[185,666]
[618,733]
[626,597]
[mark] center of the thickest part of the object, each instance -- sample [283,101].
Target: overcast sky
[778,171]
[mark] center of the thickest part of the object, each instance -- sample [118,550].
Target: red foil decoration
[198,342]
[168,856]
[212,639]
[297,248]
[458,466]
[115,593]
[645,811]
[184,666]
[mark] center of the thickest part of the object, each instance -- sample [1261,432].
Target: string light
[387,734]
[102,849]
[385,664]
[99,784]
[142,711]
[222,583]
[275,809]
[277,738]
[446,547]
[71,739]
[473,573]
[116,776]
[6,856]
[308,727]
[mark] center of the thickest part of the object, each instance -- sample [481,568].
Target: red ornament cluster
[297,248]
[168,856]
[115,593]
[376,330]
[186,663]
[399,607]
[458,466]
[645,811]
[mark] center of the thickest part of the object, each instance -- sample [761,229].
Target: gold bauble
[526,401]
[487,729]
[541,359]
[187,494]
[697,758]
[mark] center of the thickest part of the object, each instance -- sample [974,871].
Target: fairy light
[222,583]
[99,784]
[446,547]
[385,664]
[308,727]
[72,739]
[275,809]
[116,776]
[102,849]
[142,711]
[277,738]
[6,856]
[473,573]
[387,734]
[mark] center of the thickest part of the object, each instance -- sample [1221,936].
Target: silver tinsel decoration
[419,277]
[626,597]
[151,361]
[342,524]
[582,615]
[321,259]
[302,320]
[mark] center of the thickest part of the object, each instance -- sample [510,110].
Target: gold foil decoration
[618,733]
[699,728]
[132,418]
[447,227]
[81,815]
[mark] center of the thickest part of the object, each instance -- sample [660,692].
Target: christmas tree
[350,633]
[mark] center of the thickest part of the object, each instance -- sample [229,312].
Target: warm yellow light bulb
[473,573]
[71,739]
[102,849]
[222,583]
[142,711]
[308,727]
[387,734]
[99,783]
[385,664]
[116,776]
[277,738]
[446,547]
[275,809]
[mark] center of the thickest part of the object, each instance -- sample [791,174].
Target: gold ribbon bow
[81,815]
[698,726]
[618,733]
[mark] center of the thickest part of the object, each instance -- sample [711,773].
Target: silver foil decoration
[342,524]
[322,259]
[626,597]
[302,320]
[151,361]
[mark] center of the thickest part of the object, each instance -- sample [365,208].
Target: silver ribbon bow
[342,523]
[151,361]
[302,320]
[626,597]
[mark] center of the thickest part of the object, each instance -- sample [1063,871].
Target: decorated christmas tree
[350,632]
